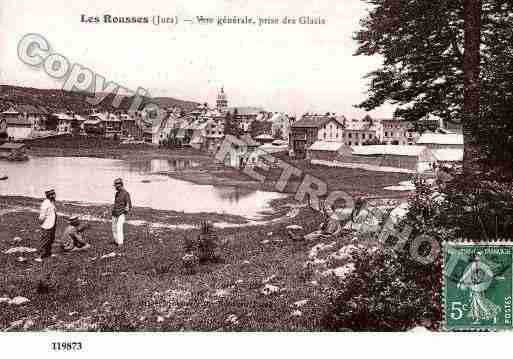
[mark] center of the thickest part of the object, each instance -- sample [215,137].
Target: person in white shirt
[47,219]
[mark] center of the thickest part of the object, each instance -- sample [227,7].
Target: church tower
[222,102]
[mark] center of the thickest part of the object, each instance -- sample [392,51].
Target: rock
[239,281]
[265,241]
[160,319]
[21,259]
[268,279]
[16,324]
[20,250]
[222,293]
[419,330]
[345,253]
[18,301]
[269,234]
[109,255]
[246,262]
[269,289]
[296,313]
[17,239]
[5,299]
[340,272]
[320,247]
[29,323]
[232,319]
[300,303]
[294,227]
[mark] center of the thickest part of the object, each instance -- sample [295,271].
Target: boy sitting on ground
[72,238]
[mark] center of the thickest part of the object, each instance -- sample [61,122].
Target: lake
[89,180]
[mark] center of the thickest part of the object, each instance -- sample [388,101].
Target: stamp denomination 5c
[478,286]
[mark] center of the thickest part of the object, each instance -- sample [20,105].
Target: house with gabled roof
[23,120]
[312,128]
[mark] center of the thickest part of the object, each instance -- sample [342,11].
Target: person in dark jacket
[122,206]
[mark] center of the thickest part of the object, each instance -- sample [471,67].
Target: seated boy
[72,239]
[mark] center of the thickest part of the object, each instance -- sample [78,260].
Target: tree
[424,69]
[232,126]
[257,128]
[278,133]
[471,71]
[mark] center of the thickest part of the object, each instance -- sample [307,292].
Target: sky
[290,68]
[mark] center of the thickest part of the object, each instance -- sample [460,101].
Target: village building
[214,134]
[264,138]
[324,151]
[358,133]
[280,126]
[397,132]
[93,126]
[222,101]
[10,150]
[23,120]
[267,151]
[103,124]
[312,128]
[129,128]
[239,154]
[68,123]
[406,158]
[441,140]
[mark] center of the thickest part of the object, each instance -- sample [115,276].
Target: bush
[204,248]
[388,289]
[386,292]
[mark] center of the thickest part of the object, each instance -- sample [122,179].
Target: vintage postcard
[239,166]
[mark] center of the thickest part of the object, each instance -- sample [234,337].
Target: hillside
[55,100]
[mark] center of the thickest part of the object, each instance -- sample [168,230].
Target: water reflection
[90,180]
[160,165]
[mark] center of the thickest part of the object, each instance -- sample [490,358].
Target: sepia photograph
[238,166]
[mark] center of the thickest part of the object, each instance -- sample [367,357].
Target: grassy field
[145,286]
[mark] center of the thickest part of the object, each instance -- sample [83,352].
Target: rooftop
[314,121]
[326,146]
[448,154]
[398,150]
[441,139]
[11,146]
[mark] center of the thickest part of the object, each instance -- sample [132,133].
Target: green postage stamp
[478,286]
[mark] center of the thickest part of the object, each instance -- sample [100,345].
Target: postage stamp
[478,285]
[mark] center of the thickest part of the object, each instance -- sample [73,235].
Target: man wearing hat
[47,219]
[122,205]
[72,238]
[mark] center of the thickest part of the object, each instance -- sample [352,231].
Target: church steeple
[221,102]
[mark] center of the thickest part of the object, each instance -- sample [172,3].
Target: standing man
[47,220]
[122,206]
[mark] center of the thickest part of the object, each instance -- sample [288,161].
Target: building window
[349,135]
[386,134]
[324,135]
[349,143]
[363,136]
